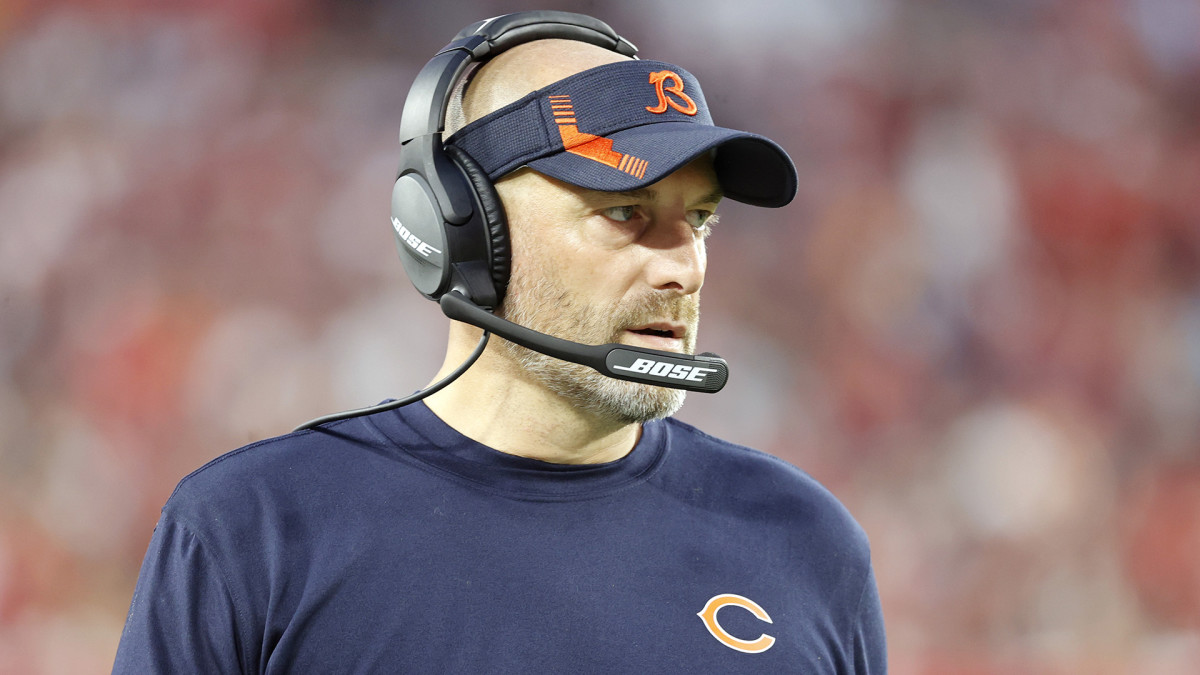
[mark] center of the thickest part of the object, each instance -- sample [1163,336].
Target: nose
[678,258]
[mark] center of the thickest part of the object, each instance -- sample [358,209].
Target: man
[534,515]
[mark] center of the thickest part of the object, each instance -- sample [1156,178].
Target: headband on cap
[623,126]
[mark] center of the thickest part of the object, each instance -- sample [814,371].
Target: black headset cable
[412,398]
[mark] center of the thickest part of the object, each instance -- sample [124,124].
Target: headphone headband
[509,29]
[425,109]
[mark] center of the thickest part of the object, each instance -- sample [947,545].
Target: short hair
[456,116]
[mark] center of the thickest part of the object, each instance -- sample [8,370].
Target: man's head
[607,170]
[595,266]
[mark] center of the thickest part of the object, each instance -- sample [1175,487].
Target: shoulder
[283,472]
[762,487]
[744,466]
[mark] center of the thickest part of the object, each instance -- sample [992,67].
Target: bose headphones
[448,221]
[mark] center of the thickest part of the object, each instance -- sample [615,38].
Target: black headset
[451,230]
[449,224]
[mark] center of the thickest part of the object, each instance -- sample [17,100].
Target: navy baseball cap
[623,126]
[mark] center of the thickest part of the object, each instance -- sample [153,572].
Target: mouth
[666,336]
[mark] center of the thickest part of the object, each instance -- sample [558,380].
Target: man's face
[598,267]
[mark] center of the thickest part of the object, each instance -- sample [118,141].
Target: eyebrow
[712,197]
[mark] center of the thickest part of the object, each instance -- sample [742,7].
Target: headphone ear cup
[420,234]
[495,220]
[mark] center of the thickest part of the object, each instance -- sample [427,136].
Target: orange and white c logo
[709,616]
[659,80]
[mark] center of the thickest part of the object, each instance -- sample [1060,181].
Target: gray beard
[545,307]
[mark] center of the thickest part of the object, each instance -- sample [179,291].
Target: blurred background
[978,324]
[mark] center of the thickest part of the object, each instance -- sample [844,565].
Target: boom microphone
[705,372]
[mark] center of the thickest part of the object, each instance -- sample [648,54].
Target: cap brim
[750,168]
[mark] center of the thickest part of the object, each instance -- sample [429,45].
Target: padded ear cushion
[495,221]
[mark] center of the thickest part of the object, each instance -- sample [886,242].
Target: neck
[497,404]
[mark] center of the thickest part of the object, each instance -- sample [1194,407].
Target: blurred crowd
[978,325]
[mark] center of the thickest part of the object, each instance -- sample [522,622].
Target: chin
[635,403]
[615,400]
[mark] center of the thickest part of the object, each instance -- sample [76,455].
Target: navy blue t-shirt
[392,543]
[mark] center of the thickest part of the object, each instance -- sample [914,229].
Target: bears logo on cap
[659,80]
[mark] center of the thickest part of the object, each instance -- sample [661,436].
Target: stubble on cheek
[546,307]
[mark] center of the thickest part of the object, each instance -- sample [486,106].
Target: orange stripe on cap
[595,148]
[636,168]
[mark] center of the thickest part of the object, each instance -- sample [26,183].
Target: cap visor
[750,168]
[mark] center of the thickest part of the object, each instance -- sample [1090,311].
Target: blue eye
[620,213]
[700,219]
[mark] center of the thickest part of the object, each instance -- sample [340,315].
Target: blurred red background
[979,324]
